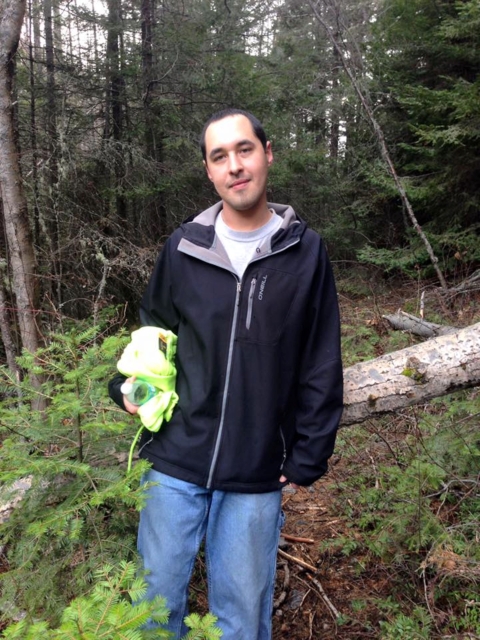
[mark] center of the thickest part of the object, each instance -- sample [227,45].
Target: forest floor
[344,597]
[338,600]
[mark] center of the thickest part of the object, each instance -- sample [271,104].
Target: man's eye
[245,150]
[218,158]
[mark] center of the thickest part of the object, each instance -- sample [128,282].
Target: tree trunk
[413,375]
[114,108]
[53,225]
[17,229]
[33,126]
[6,333]
[14,203]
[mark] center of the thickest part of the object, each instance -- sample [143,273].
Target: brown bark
[413,375]
[17,228]
[15,213]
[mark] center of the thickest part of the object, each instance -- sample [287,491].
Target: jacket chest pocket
[267,301]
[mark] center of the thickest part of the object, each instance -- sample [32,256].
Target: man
[249,291]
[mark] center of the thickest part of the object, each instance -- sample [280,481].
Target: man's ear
[206,169]
[269,153]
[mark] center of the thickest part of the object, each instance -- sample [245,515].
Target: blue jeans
[241,534]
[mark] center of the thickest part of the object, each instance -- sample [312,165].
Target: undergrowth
[114,610]
[412,501]
[75,507]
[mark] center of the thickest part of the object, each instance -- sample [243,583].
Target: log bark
[412,375]
[406,322]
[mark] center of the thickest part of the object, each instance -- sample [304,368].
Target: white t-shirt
[241,245]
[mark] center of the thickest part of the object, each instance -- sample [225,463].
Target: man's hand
[131,408]
[284,479]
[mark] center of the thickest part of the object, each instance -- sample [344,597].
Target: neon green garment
[150,356]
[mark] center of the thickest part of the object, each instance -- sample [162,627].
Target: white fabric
[241,245]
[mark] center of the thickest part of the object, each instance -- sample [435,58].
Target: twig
[305,565]
[302,563]
[326,599]
[333,610]
[286,583]
[287,536]
[377,481]
[427,601]
[311,619]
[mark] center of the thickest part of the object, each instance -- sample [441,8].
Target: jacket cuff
[114,389]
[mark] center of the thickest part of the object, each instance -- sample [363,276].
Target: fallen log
[406,322]
[413,375]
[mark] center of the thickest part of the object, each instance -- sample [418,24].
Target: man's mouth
[238,184]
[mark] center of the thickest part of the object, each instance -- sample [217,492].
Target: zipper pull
[239,290]
[253,284]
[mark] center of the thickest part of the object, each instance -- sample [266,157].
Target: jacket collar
[200,229]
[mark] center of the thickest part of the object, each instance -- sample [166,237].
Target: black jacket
[259,372]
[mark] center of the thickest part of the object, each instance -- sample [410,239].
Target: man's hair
[257,127]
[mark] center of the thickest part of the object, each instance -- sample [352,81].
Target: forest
[373,111]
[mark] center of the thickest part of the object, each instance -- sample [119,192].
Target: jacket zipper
[225,389]
[216,450]
[251,293]
[284,448]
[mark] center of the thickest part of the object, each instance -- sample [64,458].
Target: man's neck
[246,220]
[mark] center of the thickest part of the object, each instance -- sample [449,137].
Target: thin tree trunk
[17,229]
[381,141]
[147,72]
[6,333]
[33,125]
[95,40]
[114,110]
[52,146]
[412,375]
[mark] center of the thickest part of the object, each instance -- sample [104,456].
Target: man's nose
[234,164]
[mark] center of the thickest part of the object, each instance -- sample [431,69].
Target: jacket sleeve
[319,402]
[156,309]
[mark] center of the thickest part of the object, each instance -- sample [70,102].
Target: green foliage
[458,251]
[202,628]
[426,64]
[418,513]
[114,610]
[470,620]
[79,509]
[416,626]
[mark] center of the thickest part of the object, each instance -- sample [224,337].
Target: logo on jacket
[262,287]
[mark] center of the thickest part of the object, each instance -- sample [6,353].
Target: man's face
[237,164]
